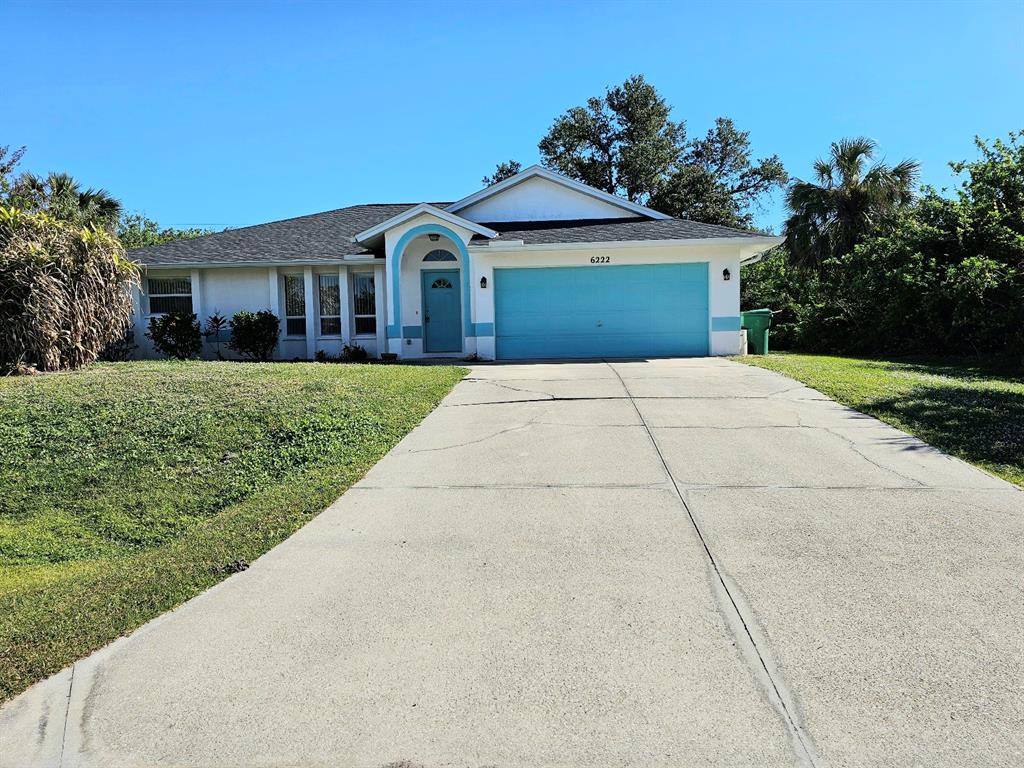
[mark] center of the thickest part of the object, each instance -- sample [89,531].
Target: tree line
[62,197]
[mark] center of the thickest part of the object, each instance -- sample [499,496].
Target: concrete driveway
[666,563]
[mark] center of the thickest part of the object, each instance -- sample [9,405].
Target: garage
[604,310]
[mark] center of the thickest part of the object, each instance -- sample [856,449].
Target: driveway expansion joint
[67,712]
[763,668]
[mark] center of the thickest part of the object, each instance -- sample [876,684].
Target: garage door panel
[605,311]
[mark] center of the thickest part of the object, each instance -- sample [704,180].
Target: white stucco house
[536,266]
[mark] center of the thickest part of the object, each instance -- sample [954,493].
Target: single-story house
[535,266]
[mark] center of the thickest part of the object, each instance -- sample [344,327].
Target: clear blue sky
[217,114]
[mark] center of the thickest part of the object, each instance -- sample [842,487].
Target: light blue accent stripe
[412,331]
[483,329]
[396,282]
[731,323]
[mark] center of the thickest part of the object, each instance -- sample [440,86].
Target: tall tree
[502,171]
[623,142]
[718,181]
[626,143]
[62,197]
[849,200]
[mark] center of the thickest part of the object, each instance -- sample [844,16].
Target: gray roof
[327,236]
[611,230]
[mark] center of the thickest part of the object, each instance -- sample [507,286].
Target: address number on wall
[600,259]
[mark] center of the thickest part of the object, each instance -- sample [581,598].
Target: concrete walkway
[668,563]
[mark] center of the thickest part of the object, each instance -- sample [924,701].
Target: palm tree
[60,195]
[849,201]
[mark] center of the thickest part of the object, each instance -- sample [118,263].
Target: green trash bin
[757,322]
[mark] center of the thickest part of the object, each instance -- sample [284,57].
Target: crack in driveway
[477,441]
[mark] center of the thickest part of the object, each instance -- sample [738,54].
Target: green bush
[944,277]
[176,335]
[65,292]
[354,353]
[254,335]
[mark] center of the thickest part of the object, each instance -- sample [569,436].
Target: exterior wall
[227,290]
[538,199]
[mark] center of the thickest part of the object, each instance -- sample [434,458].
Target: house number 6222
[600,259]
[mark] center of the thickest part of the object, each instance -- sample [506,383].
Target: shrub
[254,335]
[65,292]
[353,353]
[119,350]
[175,334]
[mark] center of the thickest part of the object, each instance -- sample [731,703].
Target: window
[294,305]
[365,304]
[330,306]
[441,282]
[439,255]
[170,294]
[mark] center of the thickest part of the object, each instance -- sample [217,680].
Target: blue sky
[227,114]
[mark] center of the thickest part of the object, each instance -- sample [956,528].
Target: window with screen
[330,306]
[294,305]
[169,294]
[364,303]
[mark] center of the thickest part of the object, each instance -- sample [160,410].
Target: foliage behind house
[940,275]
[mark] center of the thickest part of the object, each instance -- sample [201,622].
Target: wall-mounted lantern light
[434,237]
[725,274]
[483,282]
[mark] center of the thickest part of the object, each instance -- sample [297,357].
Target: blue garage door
[643,310]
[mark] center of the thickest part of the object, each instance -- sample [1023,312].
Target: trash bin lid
[762,311]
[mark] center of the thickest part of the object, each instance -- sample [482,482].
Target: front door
[441,315]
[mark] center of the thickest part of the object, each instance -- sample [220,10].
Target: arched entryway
[430,272]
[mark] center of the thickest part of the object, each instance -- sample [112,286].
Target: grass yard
[127,488]
[969,412]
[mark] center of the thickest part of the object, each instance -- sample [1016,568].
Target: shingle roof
[327,236]
[611,230]
[323,236]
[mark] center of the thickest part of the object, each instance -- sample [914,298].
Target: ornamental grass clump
[65,292]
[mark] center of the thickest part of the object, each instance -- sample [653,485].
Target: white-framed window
[169,294]
[364,304]
[330,305]
[294,305]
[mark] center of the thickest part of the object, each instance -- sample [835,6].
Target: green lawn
[128,488]
[967,411]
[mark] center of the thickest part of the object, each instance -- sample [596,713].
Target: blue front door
[441,311]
